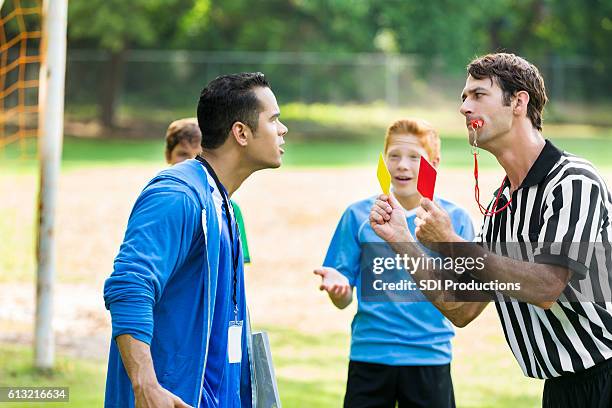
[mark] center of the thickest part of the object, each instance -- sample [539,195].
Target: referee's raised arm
[388,221]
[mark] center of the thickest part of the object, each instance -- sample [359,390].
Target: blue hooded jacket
[169,289]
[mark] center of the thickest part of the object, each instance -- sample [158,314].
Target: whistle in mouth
[476,123]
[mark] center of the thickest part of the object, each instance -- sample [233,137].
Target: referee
[558,323]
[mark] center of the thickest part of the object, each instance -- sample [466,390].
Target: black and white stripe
[562,200]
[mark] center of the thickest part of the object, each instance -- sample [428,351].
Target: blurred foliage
[443,33]
[445,29]
[115,25]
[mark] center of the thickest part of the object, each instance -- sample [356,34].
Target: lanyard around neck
[230,224]
[474,125]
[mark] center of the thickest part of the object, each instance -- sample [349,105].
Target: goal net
[20,57]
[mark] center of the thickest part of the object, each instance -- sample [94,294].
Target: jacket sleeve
[158,238]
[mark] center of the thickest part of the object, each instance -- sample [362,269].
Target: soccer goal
[32,71]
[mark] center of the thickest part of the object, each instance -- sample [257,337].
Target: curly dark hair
[513,74]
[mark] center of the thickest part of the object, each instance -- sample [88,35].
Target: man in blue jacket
[176,295]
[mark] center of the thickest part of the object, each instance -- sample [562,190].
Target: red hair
[427,135]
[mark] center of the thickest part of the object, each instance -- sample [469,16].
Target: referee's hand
[433,223]
[388,220]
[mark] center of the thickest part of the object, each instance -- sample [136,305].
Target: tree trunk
[111,88]
[495,44]
[534,14]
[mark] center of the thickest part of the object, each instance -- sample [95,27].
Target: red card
[427,179]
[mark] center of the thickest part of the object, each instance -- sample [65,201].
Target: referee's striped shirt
[563,200]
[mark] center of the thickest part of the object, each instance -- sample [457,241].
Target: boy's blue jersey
[391,333]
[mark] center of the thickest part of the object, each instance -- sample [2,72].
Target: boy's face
[403,158]
[182,152]
[264,150]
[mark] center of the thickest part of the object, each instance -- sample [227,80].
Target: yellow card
[384,177]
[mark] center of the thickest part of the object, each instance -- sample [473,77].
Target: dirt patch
[290,216]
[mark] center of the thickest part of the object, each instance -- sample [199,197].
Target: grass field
[319,136]
[311,372]
[316,153]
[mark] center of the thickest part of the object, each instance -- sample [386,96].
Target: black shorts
[591,388]
[382,386]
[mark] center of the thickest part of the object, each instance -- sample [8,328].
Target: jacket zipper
[205,231]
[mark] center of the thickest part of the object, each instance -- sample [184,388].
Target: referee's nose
[465,108]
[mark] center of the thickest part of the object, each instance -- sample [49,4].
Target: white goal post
[50,128]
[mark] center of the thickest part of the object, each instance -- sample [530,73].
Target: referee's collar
[549,156]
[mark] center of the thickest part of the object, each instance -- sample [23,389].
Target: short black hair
[226,100]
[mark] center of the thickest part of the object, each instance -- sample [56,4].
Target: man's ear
[521,100]
[241,133]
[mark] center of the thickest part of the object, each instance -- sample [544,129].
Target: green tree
[116,26]
[281,25]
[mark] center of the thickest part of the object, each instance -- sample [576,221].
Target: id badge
[234,342]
